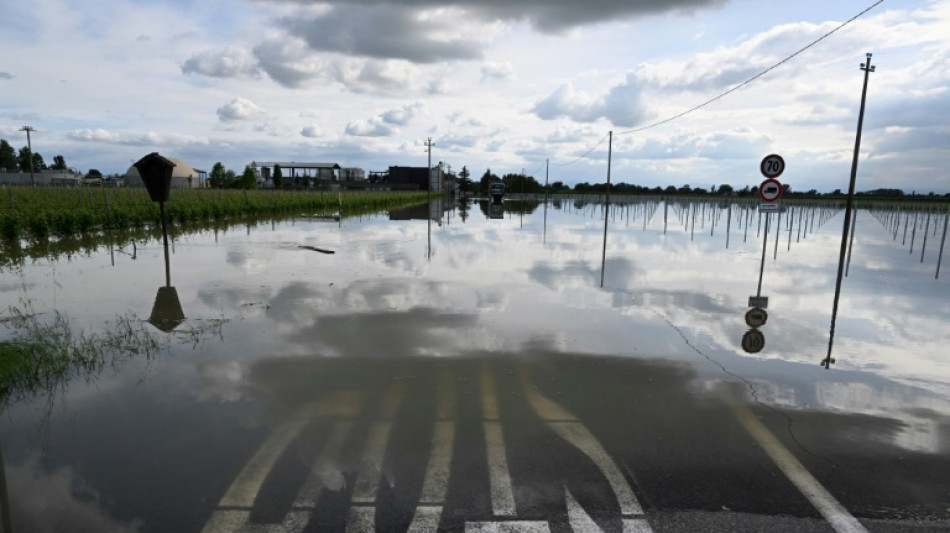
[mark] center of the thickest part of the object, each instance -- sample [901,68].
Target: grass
[43,355]
[39,212]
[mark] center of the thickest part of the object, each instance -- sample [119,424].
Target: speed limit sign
[772,166]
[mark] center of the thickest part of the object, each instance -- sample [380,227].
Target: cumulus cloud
[374,76]
[374,127]
[496,71]
[231,62]
[94,135]
[730,65]
[311,131]
[6,76]
[621,105]
[385,123]
[289,62]
[137,139]
[403,115]
[238,109]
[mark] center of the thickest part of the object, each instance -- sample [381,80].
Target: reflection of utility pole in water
[4,497]
[544,238]
[603,257]
[868,69]
[765,240]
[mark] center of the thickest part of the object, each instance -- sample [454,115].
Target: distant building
[183,176]
[352,174]
[59,178]
[297,173]
[416,178]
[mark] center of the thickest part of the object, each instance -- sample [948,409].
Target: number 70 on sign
[772,166]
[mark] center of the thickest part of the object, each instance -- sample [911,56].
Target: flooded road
[463,369]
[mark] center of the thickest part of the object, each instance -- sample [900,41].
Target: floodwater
[487,368]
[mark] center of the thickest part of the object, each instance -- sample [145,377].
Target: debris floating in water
[321,250]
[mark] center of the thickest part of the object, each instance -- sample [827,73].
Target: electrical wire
[731,90]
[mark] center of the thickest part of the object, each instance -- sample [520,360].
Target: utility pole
[29,147]
[429,145]
[868,69]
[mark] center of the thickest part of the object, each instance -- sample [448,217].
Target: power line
[600,142]
[733,89]
[757,76]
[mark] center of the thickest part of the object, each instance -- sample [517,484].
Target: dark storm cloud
[545,15]
[394,29]
[381,32]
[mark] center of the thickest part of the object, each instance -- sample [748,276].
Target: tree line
[518,183]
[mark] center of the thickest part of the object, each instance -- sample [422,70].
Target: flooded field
[480,367]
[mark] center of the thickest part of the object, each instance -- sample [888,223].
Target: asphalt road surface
[550,442]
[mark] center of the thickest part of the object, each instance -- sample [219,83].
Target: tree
[725,190]
[23,160]
[93,173]
[216,178]
[38,163]
[248,179]
[230,179]
[8,159]
[278,177]
[59,163]
[487,178]
[465,184]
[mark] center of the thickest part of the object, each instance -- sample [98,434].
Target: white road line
[489,398]
[581,522]
[514,526]
[502,494]
[840,519]
[364,490]
[499,478]
[244,489]
[582,439]
[390,403]
[363,517]
[436,482]
[565,424]
[324,473]
[445,394]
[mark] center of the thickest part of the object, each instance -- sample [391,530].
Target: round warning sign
[772,166]
[770,190]
[756,317]
[753,341]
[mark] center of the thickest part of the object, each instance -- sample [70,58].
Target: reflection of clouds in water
[246,261]
[919,419]
[222,380]
[44,501]
[618,271]
[419,331]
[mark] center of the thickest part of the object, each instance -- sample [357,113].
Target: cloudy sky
[496,84]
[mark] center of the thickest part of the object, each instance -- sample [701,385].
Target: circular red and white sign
[753,341]
[772,166]
[770,190]
[756,317]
